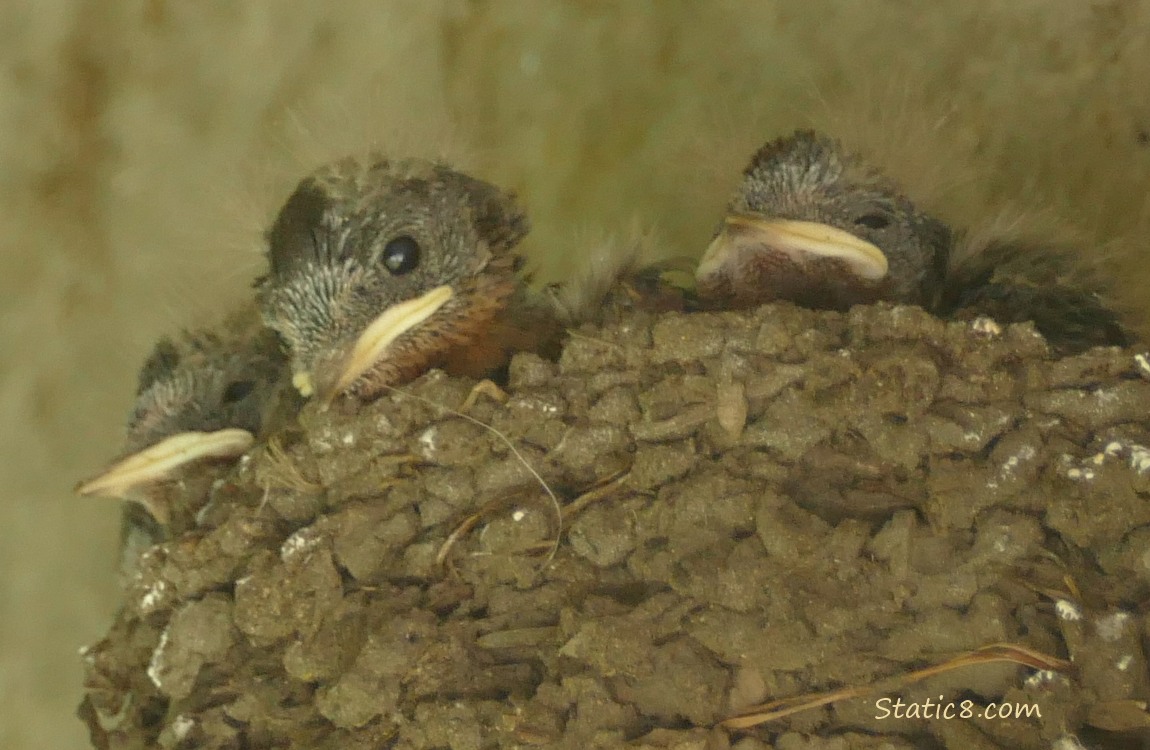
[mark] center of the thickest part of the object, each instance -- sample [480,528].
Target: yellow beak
[380,334]
[158,461]
[801,241]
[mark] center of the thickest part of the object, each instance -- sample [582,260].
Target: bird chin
[374,343]
[755,260]
[129,477]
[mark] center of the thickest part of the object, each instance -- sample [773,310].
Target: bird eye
[401,255]
[873,221]
[237,390]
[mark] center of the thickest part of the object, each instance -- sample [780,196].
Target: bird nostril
[873,221]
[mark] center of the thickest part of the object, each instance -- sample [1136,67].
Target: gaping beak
[373,343]
[801,242]
[158,461]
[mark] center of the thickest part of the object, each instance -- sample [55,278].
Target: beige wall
[142,146]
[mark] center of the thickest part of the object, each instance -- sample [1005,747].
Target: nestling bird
[382,269]
[815,224]
[202,396]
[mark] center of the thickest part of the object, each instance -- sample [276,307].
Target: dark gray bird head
[202,396]
[814,224]
[381,269]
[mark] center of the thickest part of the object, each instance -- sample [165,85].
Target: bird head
[814,224]
[204,396]
[378,268]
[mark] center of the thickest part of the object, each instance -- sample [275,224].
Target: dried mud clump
[749,507]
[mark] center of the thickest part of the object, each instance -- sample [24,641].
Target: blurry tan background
[143,145]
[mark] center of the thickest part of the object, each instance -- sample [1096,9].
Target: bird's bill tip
[158,461]
[380,334]
[802,242]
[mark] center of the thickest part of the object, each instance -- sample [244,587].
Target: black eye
[873,221]
[237,390]
[401,255]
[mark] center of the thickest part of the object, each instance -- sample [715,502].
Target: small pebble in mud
[986,326]
[731,409]
[1143,362]
[1068,610]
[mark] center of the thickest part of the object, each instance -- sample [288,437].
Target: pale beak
[158,461]
[380,334]
[802,242]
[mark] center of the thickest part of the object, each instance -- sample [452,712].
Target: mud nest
[748,507]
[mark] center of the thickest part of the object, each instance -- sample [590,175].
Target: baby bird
[821,228]
[205,395]
[814,224]
[382,269]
